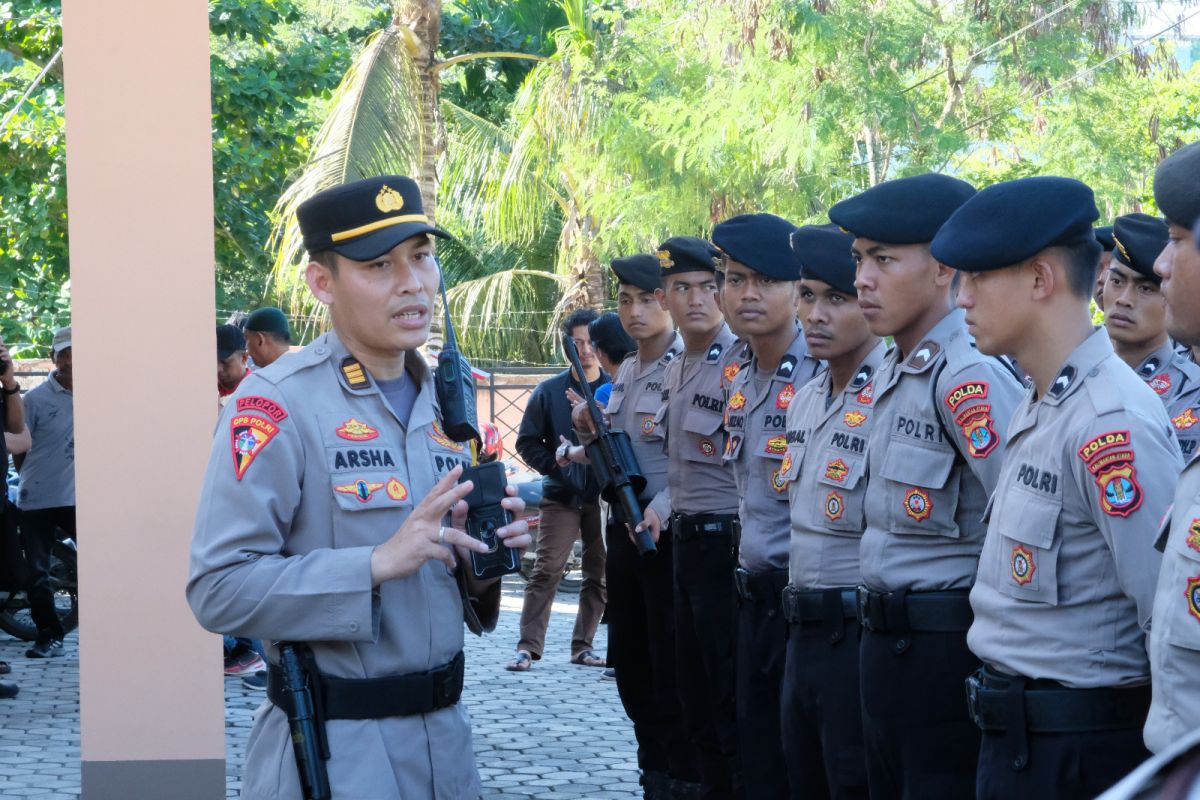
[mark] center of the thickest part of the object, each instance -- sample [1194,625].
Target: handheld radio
[455,384]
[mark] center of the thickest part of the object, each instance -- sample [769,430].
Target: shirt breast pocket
[1027,562]
[840,491]
[1181,565]
[921,497]
[773,447]
[704,443]
[646,415]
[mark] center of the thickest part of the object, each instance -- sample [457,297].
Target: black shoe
[8,690]
[609,674]
[48,649]
[256,682]
[656,786]
[684,790]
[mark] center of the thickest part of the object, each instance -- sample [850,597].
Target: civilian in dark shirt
[570,509]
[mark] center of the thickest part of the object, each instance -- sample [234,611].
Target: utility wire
[36,81]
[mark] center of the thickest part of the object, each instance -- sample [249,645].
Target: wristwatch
[10,392]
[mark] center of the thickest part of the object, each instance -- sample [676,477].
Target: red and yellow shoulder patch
[1110,457]
[965,392]
[264,405]
[249,434]
[977,428]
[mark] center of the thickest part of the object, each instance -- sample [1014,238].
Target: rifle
[308,728]
[612,458]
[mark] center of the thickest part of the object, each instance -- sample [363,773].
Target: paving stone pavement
[557,732]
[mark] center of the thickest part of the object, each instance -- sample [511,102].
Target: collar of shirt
[1083,359]
[425,408]
[1157,361]
[925,354]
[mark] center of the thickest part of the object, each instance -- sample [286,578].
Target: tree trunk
[424,19]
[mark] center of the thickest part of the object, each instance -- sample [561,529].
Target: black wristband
[10,392]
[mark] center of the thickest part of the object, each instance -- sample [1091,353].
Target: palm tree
[509,185]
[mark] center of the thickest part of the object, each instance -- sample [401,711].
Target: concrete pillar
[139,190]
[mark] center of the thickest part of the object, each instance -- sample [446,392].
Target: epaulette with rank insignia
[355,376]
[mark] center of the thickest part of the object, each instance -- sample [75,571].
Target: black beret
[1177,185]
[1139,240]
[687,254]
[365,219]
[1009,222]
[824,253]
[903,211]
[230,340]
[1104,237]
[641,271]
[267,320]
[760,241]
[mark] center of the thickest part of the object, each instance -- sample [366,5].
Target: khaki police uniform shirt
[1175,632]
[1068,569]
[699,481]
[1176,379]
[309,471]
[756,425]
[633,407]
[934,458]
[826,466]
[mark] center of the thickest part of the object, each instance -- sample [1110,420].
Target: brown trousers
[560,526]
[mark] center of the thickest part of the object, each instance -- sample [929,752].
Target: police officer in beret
[1135,315]
[762,293]
[1066,577]
[268,335]
[1104,235]
[641,621]
[331,517]
[1175,635]
[703,506]
[941,409]
[828,422]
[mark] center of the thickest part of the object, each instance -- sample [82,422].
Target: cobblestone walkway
[556,732]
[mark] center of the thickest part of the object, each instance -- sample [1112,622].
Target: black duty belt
[377,698]
[698,526]
[761,587]
[905,612]
[819,605]
[999,702]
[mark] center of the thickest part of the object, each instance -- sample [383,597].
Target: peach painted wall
[140,200]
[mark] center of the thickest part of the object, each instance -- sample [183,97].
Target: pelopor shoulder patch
[249,434]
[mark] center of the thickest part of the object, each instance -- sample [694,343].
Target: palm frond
[374,129]
[508,317]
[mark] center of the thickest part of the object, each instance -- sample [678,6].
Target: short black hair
[609,337]
[1082,261]
[281,338]
[326,258]
[579,317]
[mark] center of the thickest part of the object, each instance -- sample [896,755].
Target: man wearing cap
[828,423]
[703,507]
[940,411]
[1104,235]
[1135,316]
[761,293]
[641,625]
[46,495]
[267,336]
[232,360]
[1066,577]
[1175,634]
[330,519]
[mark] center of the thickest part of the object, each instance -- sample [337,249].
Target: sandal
[588,658]
[520,663]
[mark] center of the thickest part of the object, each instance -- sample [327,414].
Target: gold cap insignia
[388,200]
[1121,247]
[664,259]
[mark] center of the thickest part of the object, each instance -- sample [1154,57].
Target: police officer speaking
[330,516]
[940,412]
[1067,573]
